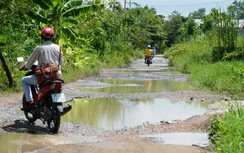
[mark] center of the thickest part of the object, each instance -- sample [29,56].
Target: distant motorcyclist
[46,52]
[148,52]
[153,51]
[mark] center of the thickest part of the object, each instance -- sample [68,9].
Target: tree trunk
[6,69]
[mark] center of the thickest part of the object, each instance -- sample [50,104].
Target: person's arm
[32,59]
[61,60]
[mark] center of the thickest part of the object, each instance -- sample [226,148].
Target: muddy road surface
[119,111]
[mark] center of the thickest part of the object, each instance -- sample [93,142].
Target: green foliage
[91,37]
[56,13]
[195,57]
[238,53]
[179,29]
[220,77]
[189,55]
[238,8]
[188,29]
[114,33]
[145,27]
[171,27]
[225,29]
[227,130]
[199,14]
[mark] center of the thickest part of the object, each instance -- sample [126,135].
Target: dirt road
[80,138]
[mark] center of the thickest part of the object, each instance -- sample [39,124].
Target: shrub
[227,132]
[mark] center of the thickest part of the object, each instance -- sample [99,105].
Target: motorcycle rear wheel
[54,122]
[148,62]
[30,116]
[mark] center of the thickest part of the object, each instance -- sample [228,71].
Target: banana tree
[6,69]
[60,14]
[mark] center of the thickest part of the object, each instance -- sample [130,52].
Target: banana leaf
[37,17]
[43,3]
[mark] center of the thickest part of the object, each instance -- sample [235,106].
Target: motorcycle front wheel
[54,122]
[30,116]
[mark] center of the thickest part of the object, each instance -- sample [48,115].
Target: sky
[184,7]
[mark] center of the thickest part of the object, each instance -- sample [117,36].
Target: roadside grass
[195,57]
[71,73]
[227,132]
[187,56]
[221,77]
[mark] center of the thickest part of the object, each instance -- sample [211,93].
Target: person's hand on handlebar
[22,68]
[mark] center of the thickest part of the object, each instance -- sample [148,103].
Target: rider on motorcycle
[46,52]
[148,52]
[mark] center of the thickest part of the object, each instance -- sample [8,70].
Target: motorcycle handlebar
[23,68]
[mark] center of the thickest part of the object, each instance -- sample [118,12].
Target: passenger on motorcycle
[46,52]
[148,52]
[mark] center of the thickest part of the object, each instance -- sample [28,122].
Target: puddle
[180,138]
[20,142]
[112,113]
[13,142]
[140,86]
[163,68]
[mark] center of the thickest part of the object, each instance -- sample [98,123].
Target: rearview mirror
[20,59]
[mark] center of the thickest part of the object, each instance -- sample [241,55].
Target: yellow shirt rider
[148,52]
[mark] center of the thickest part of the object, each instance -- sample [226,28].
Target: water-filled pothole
[113,113]
[140,86]
[179,138]
[21,142]
[18,142]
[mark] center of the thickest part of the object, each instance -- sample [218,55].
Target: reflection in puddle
[112,113]
[183,138]
[23,142]
[140,86]
[20,142]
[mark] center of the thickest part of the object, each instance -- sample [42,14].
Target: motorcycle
[148,60]
[48,103]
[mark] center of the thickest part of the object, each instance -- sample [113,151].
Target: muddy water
[179,138]
[20,142]
[140,86]
[112,113]
[23,142]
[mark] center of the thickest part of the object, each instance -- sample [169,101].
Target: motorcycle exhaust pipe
[66,110]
